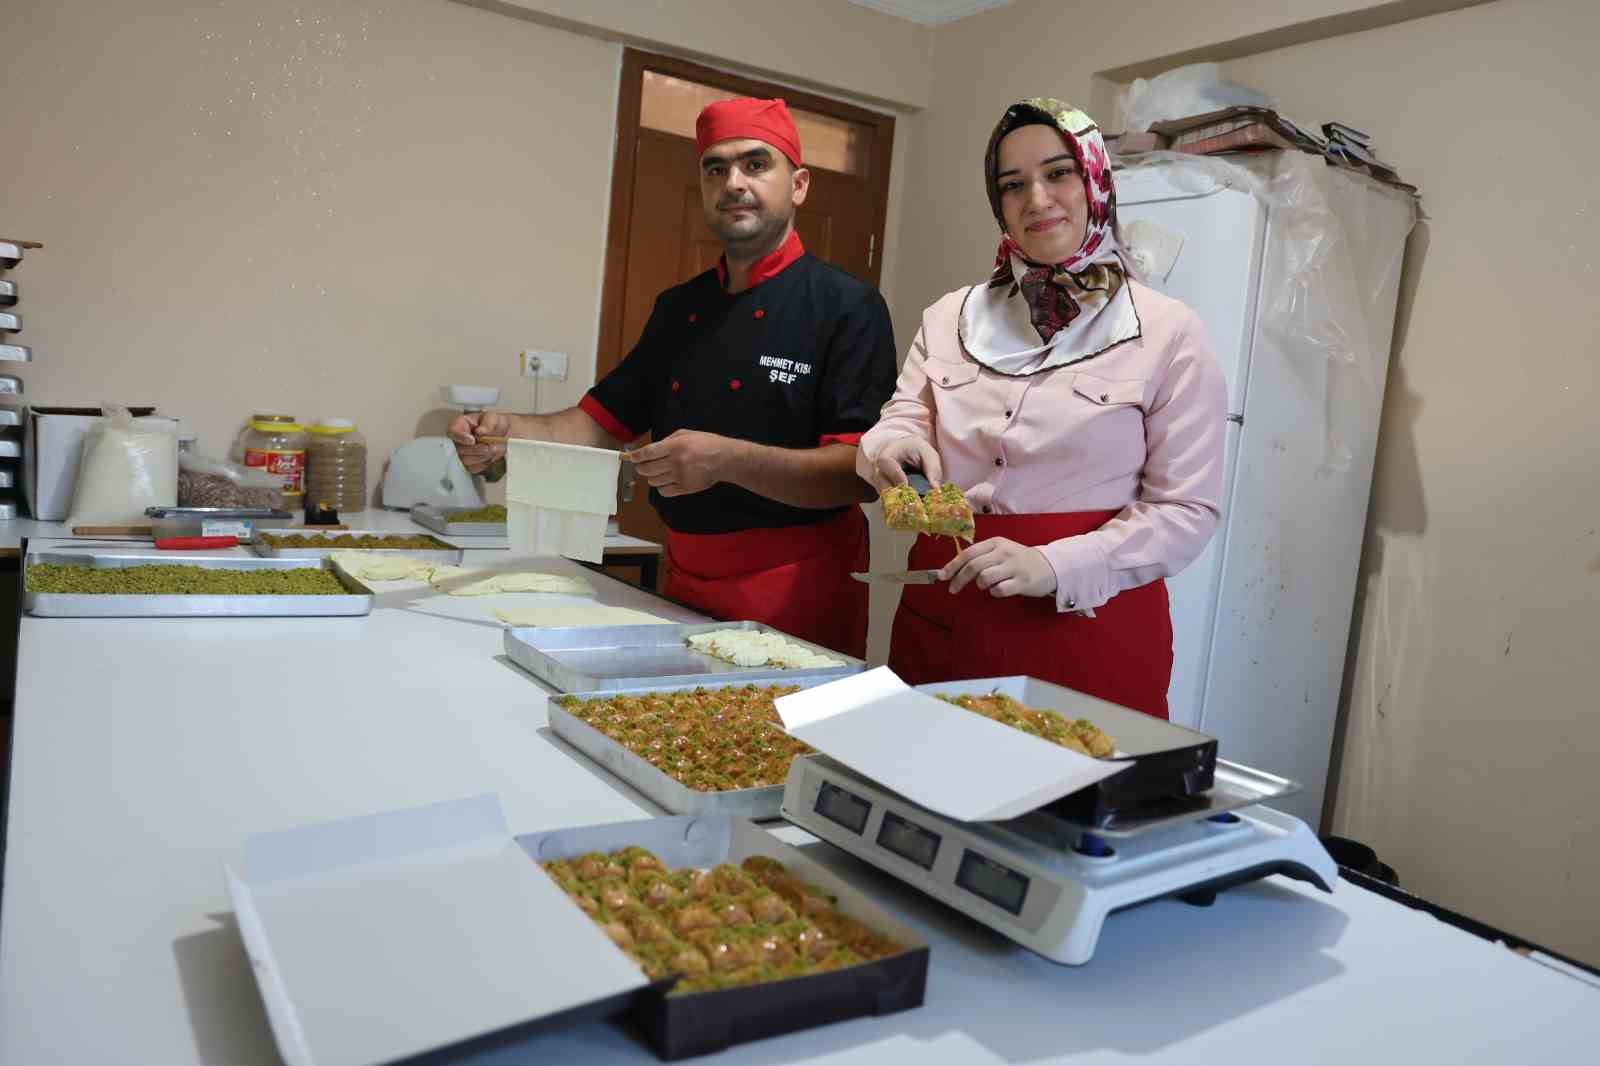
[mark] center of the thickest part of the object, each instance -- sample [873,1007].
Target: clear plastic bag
[1179,93]
[126,467]
[207,482]
[1329,277]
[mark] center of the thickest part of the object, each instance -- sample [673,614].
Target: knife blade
[900,577]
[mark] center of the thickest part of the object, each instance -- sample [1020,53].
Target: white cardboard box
[53,447]
[381,937]
[949,760]
[387,936]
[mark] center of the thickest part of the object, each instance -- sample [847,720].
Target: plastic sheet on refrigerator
[1336,257]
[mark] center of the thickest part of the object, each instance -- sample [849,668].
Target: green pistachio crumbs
[173,580]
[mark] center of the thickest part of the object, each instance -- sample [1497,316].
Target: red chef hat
[763,120]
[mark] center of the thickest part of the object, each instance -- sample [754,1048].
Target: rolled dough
[529,581]
[383,566]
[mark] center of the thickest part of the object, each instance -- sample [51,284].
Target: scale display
[998,884]
[845,808]
[907,840]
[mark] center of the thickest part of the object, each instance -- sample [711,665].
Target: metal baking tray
[8,293]
[666,791]
[10,255]
[597,658]
[241,522]
[10,416]
[85,605]
[438,520]
[8,511]
[8,479]
[10,448]
[10,323]
[16,353]
[10,385]
[444,553]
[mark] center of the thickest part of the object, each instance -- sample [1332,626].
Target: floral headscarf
[1037,316]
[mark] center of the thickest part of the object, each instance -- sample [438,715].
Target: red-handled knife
[185,543]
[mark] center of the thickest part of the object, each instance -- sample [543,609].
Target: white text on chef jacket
[784,370]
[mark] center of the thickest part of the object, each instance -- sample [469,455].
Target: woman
[1081,412]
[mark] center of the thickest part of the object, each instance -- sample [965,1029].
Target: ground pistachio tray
[265,546]
[438,519]
[356,598]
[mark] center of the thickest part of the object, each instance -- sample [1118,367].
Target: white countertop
[146,751]
[13,533]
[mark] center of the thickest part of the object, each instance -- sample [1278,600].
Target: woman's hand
[1003,568]
[887,468]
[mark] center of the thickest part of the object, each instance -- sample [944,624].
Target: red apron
[1123,654]
[793,578]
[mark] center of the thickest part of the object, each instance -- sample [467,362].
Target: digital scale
[1049,879]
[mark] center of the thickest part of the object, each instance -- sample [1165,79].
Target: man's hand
[465,431]
[688,461]
[887,468]
[1003,567]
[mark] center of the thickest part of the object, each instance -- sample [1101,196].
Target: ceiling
[930,12]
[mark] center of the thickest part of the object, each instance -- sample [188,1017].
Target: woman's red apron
[794,578]
[1123,654]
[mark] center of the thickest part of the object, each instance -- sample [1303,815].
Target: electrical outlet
[537,364]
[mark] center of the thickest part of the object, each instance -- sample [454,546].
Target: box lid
[949,760]
[382,937]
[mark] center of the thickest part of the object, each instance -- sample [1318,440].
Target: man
[755,381]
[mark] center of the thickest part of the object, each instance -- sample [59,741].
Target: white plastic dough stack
[558,498]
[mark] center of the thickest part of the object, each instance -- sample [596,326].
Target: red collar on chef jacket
[768,266]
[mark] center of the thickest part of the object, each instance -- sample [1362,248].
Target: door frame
[634,65]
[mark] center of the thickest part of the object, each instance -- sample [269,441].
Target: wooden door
[658,236]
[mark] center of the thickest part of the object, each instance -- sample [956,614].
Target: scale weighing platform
[1048,882]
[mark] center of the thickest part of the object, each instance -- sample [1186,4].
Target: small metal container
[438,520]
[241,522]
[596,658]
[357,602]
[444,553]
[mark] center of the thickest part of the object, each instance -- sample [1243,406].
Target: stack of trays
[607,663]
[11,414]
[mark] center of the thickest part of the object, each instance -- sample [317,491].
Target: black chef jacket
[802,358]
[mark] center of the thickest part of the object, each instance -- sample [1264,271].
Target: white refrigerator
[1294,268]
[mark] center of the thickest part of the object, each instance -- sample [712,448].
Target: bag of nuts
[207,482]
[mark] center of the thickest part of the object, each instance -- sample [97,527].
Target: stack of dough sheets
[558,498]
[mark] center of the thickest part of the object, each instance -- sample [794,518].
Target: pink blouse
[1140,428]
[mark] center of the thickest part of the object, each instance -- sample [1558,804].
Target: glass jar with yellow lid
[277,444]
[336,466]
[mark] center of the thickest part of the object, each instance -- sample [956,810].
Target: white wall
[326,208]
[1473,739]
